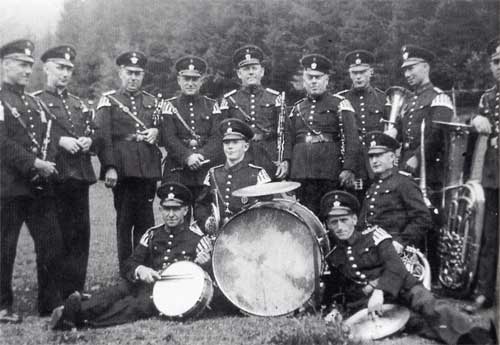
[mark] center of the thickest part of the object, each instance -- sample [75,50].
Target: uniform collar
[53,91]
[130,94]
[13,88]
[188,98]
[422,88]
[363,90]
[389,174]
[255,89]
[176,230]
[351,240]
[237,166]
[317,98]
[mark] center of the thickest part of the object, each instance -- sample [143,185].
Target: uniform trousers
[488,255]
[133,201]
[72,201]
[39,214]
[312,190]
[119,304]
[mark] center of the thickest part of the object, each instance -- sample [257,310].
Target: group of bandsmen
[326,141]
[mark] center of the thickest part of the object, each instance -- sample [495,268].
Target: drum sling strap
[183,123]
[218,193]
[247,117]
[17,116]
[127,111]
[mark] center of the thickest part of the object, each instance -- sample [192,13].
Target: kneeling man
[160,246]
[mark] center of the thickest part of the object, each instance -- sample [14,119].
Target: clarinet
[39,181]
[281,129]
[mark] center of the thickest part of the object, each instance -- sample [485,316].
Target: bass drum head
[266,259]
[180,290]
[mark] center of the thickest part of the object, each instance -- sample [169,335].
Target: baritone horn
[395,95]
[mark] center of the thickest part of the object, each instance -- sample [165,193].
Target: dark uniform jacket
[430,103]
[316,129]
[161,246]
[118,131]
[202,115]
[259,107]
[489,106]
[17,151]
[223,180]
[363,260]
[73,119]
[371,108]
[396,205]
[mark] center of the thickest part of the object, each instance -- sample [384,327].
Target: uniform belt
[193,142]
[129,137]
[262,136]
[315,138]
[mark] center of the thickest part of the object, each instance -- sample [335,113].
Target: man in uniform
[394,201]
[130,159]
[486,123]
[322,132]
[371,110]
[236,173]
[72,125]
[426,102]
[176,239]
[369,270]
[191,122]
[259,107]
[26,194]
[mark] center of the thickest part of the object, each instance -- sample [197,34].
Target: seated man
[368,269]
[236,173]
[393,201]
[159,247]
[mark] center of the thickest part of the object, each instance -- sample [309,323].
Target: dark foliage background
[457,31]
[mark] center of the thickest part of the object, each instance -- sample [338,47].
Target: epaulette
[254,166]
[340,93]
[37,93]
[442,100]
[437,89]
[346,105]
[368,230]
[147,93]
[195,228]
[149,234]
[274,92]
[230,93]
[404,173]
[108,93]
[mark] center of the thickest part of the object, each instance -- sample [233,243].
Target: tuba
[395,95]
[416,263]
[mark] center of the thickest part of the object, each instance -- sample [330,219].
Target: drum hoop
[268,204]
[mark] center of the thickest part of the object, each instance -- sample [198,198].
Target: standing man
[162,245]
[394,201]
[259,107]
[234,174]
[487,123]
[426,102]
[26,163]
[72,125]
[191,122]
[371,109]
[130,159]
[322,131]
[372,272]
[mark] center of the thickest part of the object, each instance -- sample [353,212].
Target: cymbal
[364,327]
[269,188]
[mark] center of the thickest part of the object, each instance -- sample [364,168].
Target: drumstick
[176,276]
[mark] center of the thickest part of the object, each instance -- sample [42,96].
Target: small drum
[184,290]
[268,258]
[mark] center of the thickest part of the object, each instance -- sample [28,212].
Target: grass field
[210,329]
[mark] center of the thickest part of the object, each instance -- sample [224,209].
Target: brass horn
[395,95]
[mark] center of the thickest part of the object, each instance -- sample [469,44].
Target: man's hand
[411,165]
[481,124]
[45,168]
[70,144]
[398,246]
[204,250]
[282,170]
[146,274]
[375,303]
[346,178]
[110,178]
[194,161]
[85,143]
[150,135]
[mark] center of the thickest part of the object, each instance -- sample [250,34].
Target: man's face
[250,75]
[416,74]
[189,85]
[58,75]
[173,215]
[315,83]
[234,149]
[361,79]
[131,78]
[342,226]
[17,72]
[381,162]
[495,68]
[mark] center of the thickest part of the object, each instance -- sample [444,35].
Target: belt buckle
[193,143]
[407,145]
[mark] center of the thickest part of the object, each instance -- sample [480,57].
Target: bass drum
[268,258]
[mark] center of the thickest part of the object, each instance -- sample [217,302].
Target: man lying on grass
[160,246]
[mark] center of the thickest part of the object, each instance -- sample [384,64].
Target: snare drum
[184,290]
[268,258]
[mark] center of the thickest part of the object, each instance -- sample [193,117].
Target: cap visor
[133,68]
[495,55]
[248,63]
[359,68]
[411,62]
[63,62]
[340,211]
[172,202]
[20,57]
[377,150]
[314,71]
[190,73]
[233,136]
